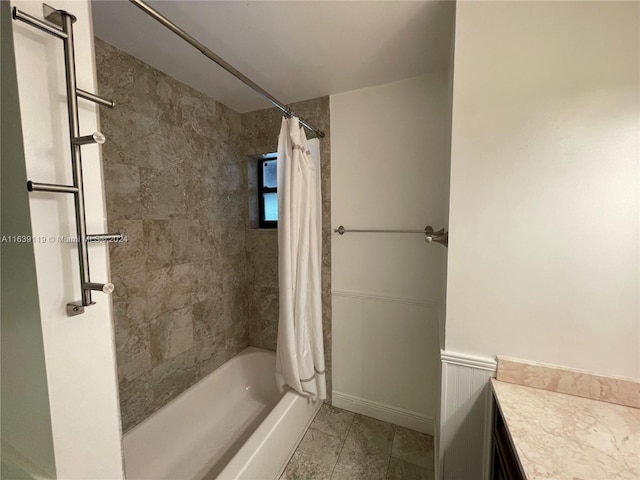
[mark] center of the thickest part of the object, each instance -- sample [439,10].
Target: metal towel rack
[61,26]
[440,236]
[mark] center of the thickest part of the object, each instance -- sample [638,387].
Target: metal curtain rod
[221,62]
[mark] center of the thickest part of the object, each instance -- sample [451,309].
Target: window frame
[262,189]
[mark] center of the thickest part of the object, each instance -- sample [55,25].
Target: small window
[268,191]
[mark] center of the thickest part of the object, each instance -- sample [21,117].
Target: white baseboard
[17,466]
[381,411]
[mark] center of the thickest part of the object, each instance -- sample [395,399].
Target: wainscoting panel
[385,357]
[465,417]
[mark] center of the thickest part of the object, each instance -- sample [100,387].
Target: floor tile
[341,445]
[366,450]
[314,458]
[401,470]
[333,421]
[413,447]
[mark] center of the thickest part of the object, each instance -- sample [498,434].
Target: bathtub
[232,424]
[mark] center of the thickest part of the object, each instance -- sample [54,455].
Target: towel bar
[440,236]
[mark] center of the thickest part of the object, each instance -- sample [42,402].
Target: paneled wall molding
[382,298]
[387,288]
[466,360]
[381,411]
[465,416]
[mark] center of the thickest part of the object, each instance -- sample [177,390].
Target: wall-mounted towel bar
[440,236]
[61,26]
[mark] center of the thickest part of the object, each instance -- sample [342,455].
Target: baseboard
[381,411]
[17,466]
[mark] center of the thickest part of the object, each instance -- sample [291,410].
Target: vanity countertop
[558,436]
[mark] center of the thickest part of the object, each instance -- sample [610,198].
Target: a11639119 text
[54,239]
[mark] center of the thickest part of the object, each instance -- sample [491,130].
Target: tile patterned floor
[341,445]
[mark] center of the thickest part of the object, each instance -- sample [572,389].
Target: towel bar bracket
[76,308]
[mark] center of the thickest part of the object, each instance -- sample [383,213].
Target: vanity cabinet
[505,465]
[540,434]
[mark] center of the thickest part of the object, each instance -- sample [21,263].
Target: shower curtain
[300,351]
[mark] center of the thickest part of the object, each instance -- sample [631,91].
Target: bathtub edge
[290,419]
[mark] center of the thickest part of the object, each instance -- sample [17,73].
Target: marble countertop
[559,436]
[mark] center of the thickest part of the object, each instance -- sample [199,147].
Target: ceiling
[296,50]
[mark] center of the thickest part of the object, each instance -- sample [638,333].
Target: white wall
[544,251]
[79,351]
[388,171]
[26,423]
[442,310]
[544,211]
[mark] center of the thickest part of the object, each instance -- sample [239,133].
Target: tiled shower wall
[195,283]
[260,133]
[176,187]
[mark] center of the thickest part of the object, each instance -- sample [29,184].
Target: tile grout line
[405,460]
[342,446]
[409,462]
[395,432]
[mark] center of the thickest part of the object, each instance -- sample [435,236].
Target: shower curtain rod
[221,62]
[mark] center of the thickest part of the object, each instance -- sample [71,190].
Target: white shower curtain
[300,350]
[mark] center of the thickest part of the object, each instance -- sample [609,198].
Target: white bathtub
[232,424]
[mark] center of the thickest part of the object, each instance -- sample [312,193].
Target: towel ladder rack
[60,24]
